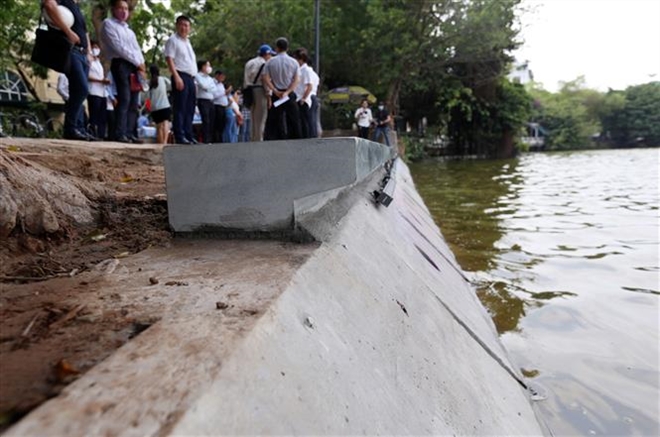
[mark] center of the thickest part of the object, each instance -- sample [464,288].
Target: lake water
[563,249]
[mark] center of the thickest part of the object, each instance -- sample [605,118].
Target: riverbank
[373,330]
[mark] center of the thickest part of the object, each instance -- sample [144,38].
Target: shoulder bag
[52,48]
[248,92]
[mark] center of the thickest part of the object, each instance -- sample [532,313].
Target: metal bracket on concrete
[385,194]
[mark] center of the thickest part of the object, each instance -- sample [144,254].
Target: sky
[613,43]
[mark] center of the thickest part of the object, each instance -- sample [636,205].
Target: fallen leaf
[13,149]
[122,255]
[63,369]
[126,179]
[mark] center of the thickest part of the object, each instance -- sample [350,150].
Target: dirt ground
[45,340]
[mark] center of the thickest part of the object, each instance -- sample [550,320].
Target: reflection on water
[563,250]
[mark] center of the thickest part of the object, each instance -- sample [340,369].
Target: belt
[80,49]
[183,73]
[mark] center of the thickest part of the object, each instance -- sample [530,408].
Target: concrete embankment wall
[376,332]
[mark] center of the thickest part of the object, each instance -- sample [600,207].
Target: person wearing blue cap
[252,82]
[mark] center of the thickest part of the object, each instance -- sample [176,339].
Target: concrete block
[253,186]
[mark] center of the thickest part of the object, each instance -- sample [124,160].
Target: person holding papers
[280,77]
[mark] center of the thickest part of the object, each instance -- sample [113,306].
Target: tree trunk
[40,201]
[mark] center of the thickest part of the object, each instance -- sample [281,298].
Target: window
[12,88]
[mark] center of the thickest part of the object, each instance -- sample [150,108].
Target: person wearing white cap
[74,128]
[253,79]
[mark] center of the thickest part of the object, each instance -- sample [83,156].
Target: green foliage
[642,114]
[570,115]
[486,125]
[575,115]
[18,19]
[414,147]
[339,116]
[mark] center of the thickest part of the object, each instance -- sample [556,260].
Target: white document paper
[278,102]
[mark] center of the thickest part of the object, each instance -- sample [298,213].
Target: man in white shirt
[304,92]
[182,63]
[314,122]
[280,78]
[252,77]
[121,46]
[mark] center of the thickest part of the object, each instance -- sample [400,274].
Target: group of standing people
[380,122]
[283,88]
[283,103]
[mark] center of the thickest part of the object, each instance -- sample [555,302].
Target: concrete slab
[253,186]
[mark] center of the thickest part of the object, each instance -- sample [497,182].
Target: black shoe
[183,142]
[91,137]
[123,140]
[192,141]
[75,135]
[136,140]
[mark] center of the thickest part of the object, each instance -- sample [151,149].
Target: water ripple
[564,253]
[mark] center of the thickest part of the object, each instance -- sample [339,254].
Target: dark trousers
[207,111]
[78,89]
[127,100]
[184,108]
[384,131]
[284,121]
[97,117]
[303,111]
[313,117]
[363,132]
[111,125]
[219,123]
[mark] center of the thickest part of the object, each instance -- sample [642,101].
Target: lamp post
[317,34]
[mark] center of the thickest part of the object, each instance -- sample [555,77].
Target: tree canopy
[577,117]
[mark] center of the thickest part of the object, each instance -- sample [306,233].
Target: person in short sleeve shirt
[182,63]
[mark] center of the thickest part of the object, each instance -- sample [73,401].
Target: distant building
[14,92]
[520,73]
[534,137]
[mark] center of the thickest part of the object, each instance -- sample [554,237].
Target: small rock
[309,322]
[221,305]
[107,266]
[153,281]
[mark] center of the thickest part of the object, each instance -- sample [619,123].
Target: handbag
[248,92]
[135,84]
[52,49]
